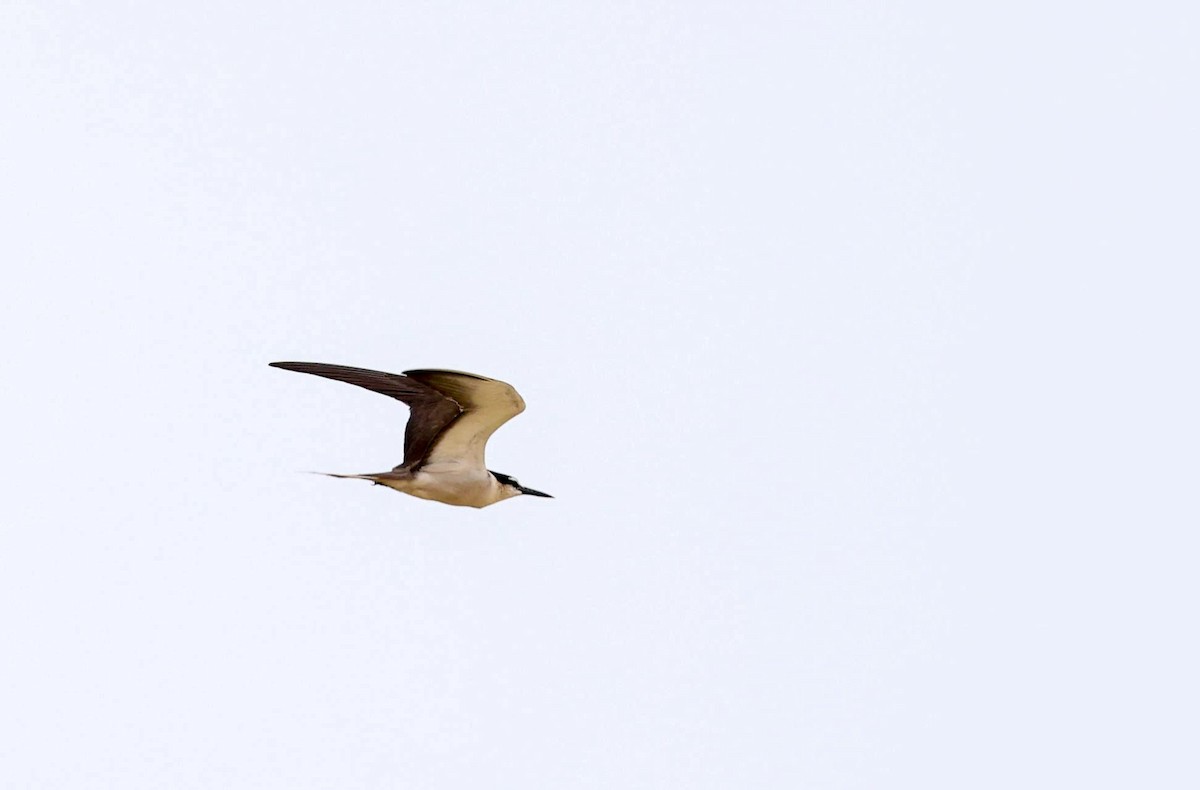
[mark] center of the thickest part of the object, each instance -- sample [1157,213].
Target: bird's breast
[454,485]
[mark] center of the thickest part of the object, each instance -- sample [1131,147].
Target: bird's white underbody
[448,483]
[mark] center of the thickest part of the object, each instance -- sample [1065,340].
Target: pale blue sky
[858,344]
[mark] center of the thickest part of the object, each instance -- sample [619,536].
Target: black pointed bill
[531,492]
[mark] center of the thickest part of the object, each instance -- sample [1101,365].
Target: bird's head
[513,488]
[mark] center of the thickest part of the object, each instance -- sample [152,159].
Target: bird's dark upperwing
[431,410]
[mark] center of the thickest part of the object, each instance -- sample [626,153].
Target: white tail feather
[343,477]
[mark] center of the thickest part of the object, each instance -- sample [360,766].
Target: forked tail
[375,478]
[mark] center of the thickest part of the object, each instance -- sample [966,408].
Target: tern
[452,415]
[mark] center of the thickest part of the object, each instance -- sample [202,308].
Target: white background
[859,345]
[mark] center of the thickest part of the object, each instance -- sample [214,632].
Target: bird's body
[453,415]
[449,483]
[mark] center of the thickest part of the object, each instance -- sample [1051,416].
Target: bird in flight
[452,415]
